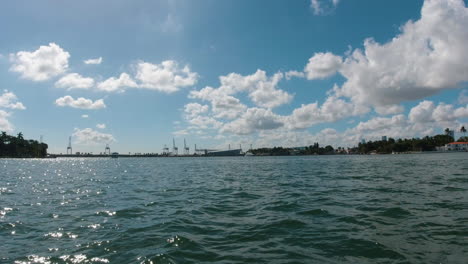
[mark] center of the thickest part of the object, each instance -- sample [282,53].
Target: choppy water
[333,209]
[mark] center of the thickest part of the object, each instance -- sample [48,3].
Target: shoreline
[54,156]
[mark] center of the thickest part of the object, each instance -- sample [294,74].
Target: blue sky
[135,74]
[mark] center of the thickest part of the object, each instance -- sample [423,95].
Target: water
[315,209]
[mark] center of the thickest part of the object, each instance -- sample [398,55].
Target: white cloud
[204,122]
[5,124]
[88,136]
[322,65]
[181,132]
[422,113]
[333,109]
[442,115]
[222,105]
[463,97]
[428,56]
[195,109]
[74,81]
[323,7]
[84,116]
[166,77]
[93,61]
[254,119]
[290,74]
[262,90]
[101,126]
[9,100]
[81,103]
[42,64]
[117,84]
[389,109]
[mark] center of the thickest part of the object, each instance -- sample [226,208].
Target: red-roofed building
[456,146]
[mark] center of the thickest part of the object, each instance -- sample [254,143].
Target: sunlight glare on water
[328,209]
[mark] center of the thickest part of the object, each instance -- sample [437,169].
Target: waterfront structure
[186,149]
[107,150]
[175,150]
[165,150]
[69,148]
[223,153]
[456,146]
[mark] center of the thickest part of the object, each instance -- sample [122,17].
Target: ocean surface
[313,209]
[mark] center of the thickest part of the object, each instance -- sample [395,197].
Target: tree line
[18,147]
[428,143]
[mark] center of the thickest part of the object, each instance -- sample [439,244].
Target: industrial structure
[186,149]
[69,148]
[175,150]
[165,150]
[107,150]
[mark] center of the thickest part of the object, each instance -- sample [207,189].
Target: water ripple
[335,209]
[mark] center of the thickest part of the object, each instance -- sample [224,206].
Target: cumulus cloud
[389,109]
[181,132]
[463,97]
[9,100]
[222,105]
[333,109]
[41,64]
[84,116]
[323,7]
[166,77]
[81,103]
[74,81]
[101,126]
[88,136]
[322,65]
[254,119]
[290,74]
[195,109]
[93,61]
[204,122]
[5,124]
[428,56]
[117,84]
[262,90]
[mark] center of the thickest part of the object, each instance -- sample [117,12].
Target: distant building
[384,138]
[456,146]
[363,141]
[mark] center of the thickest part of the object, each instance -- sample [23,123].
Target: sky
[138,74]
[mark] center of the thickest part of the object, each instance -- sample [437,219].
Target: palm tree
[463,130]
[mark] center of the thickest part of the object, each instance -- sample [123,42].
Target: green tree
[463,130]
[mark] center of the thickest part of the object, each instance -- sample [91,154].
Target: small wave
[453,189]
[106,213]
[283,207]
[315,212]
[396,212]
[34,259]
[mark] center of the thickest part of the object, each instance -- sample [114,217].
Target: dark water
[334,209]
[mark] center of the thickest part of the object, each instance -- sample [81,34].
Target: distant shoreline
[54,156]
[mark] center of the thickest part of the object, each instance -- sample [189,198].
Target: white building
[456,146]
